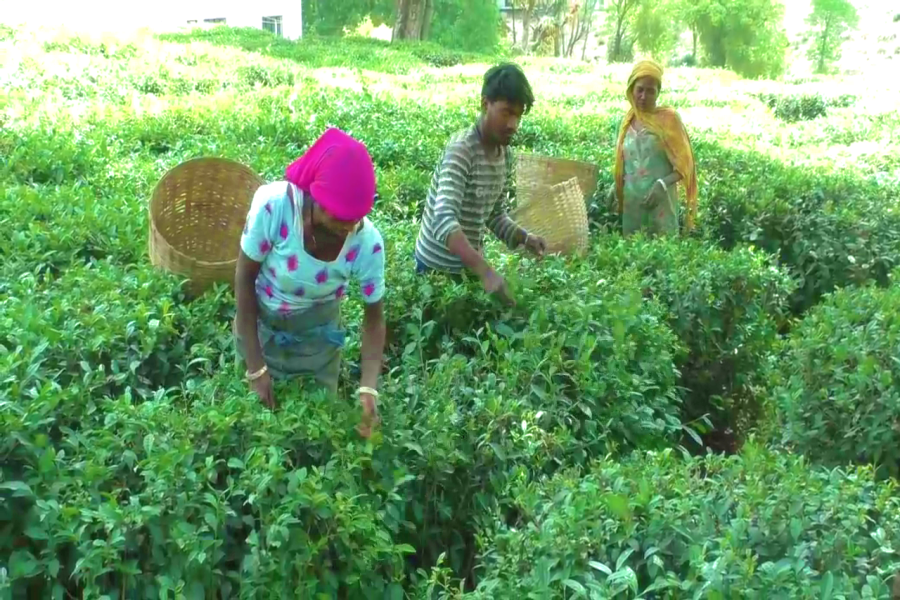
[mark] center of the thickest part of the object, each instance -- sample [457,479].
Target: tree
[526,9]
[618,13]
[690,13]
[541,20]
[655,31]
[580,23]
[412,20]
[830,20]
[331,17]
[746,36]
[470,25]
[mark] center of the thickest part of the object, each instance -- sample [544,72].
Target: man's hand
[370,417]
[495,284]
[536,244]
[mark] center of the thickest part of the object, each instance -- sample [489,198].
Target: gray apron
[301,344]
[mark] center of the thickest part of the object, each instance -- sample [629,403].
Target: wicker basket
[534,171]
[558,214]
[197,214]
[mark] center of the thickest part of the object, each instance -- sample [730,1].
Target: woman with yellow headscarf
[653,159]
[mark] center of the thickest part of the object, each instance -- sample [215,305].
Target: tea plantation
[716,416]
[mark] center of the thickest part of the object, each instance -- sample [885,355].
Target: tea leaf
[20,489]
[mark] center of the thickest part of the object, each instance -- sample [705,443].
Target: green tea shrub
[325,51]
[94,339]
[758,525]
[796,107]
[258,75]
[212,497]
[407,189]
[49,154]
[830,230]
[204,489]
[45,229]
[840,380]
[726,309]
[597,359]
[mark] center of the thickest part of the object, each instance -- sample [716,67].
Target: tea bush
[840,391]
[762,525]
[725,307]
[830,230]
[503,426]
[547,349]
[126,328]
[211,497]
[320,51]
[796,107]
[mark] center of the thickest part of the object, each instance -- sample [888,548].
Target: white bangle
[369,391]
[258,374]
[665,187]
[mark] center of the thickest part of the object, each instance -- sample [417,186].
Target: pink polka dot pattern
[292,280]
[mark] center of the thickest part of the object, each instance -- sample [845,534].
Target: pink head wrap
[338,172]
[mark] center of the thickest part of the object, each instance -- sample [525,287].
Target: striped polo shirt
[468,191]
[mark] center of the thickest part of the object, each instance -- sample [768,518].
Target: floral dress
[299,296]
[646,162]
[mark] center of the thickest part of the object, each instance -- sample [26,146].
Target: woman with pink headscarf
[305,240]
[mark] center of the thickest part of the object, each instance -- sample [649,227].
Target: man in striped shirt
[471,183]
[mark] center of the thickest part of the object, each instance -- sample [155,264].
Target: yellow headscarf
[665,123]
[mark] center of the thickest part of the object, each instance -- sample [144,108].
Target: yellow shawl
[665,123]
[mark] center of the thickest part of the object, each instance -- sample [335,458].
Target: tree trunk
[586,26]
[526,24]
[428,12]
[822,49]
[584,47]
[413,18]
[620,33]
[695,38]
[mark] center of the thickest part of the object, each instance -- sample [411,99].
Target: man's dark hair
[507,82]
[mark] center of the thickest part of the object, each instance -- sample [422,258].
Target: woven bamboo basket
[197,214]
[558,214]
[533,171]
